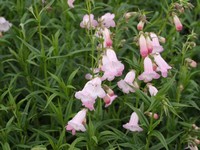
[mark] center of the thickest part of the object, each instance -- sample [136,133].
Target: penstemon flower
[107,20]
[108,99]
[70,3]
[127,85]
[148,73]
[111,66]
[152,89]
[140,25]
[88,22]
[132,125]
[163,67]
[143,46]
[157,48]
[106,37]
[77,123]
[4,25]
[90,92]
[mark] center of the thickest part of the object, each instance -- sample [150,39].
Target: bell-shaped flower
[163,67]
[149,44]
[108,99]
[70,3]
[157,48]
[111,66]
[177,23]
[127,85]
[77,123]
[106,37]
[143,46]
[148,73]
[90,92]
[132,125]
[107,20]
[88,22]
[152,89]
[4,24]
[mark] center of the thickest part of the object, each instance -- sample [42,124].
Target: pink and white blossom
[70,3]
[90,92]
[163,67]
[148,73]
[111,66]
[107,20]
[152,89]
[4,25]
[149,44]
[177,23]
[132,125]
[157,48]
[106,37]
[143,46]
[127,85]
[77,123]
[88,22]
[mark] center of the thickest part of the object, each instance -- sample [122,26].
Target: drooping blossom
[163,67]
[148,73]
[108,99]
[111,66]
[77,123]
[127,85]
[4,25]
[152,89]
[132,125]
[143,46]
[88,22]
[177,23]
[70,3]
[107,20]
[192,147]
[90,92]
[106,37]
[140,25]
[157,48]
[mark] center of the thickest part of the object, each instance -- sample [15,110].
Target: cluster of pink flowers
[109,67]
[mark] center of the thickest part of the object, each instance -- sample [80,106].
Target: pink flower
[76,124]
[127,84]
[90,92]
[111,66]
[162,65]
[152,90]
[143,46]
[106,37]
[140,25]
[4,25]
[88,22]
[70,3]
[177,23]
[150,114]
[148,73]
[149,44]
[108,99]
[107,20]
[157,48]
[132,125]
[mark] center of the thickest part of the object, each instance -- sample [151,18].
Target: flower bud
[177,23]
[191,62]
[140,25]
[150,114]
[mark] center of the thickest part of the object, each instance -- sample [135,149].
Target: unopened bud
[140,25]
[161,39]
[130,14]
[177,23]
[197,141]
[150,114]
[195,127]
[191,62]
[108,90]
